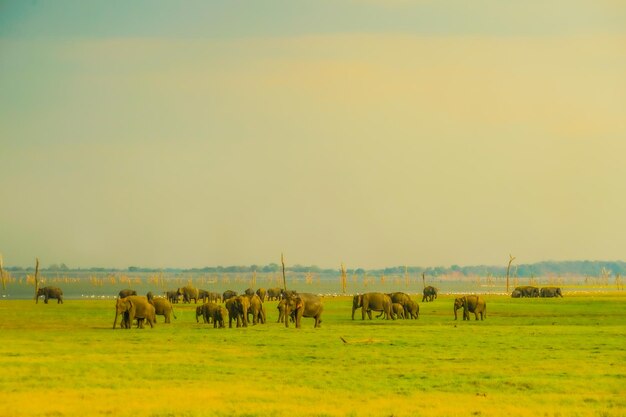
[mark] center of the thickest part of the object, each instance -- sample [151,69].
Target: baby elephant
[397,310]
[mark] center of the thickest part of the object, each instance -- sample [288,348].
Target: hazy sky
[377,133]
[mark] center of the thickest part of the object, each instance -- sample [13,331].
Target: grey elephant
[281,312]
[550,292]
[188,293]
[172,296]
[126,292]
[413,310]
[48,293]
[203,295]
[375,301]
[429,293]
[261,292]
[274,294]
[401,298]
[238,310]
[162,307]
[214,297]
[228,294]
[134,307]
[471,304]
[218,315]
[528,291]
[303,305]
[212,312]
[516,294]
[397,310]
[256,309]
[200,312]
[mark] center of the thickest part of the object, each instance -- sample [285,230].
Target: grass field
[530,357]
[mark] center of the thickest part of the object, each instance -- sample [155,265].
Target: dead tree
[508,269]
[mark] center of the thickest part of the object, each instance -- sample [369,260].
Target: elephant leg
[299,317]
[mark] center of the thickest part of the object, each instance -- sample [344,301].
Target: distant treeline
[546,268]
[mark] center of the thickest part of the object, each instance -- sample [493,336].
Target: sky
[369,132]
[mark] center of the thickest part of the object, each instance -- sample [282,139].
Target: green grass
[530,357]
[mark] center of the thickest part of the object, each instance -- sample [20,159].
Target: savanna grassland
[530,357]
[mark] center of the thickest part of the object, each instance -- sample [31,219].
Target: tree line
[544,268]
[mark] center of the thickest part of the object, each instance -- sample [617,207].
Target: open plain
[529,357]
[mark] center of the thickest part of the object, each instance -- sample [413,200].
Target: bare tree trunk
[4,285]
[36,276]
[343,278]
[508,269]
[282,261]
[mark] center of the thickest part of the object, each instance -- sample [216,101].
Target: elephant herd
[399,305]
[241,309]
[292,306]
[530,291]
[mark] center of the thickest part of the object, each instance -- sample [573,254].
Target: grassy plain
[530,357]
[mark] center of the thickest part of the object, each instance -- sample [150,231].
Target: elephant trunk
[115,321]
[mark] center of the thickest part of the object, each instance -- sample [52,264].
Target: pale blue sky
[375,133]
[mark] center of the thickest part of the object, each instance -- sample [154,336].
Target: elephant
[430,293]
[376,301]
[162,307]
[249,292]
[200,313]
[126,293]
[261,293]
[551,292]
[125,321]
[303,305]
[516,294]
[528,291]
[238,307]
[471,304]
[228,294]
[256,309]
[212,312]
[281,312]
[189,293]
[397,310]
[172,296]
[134,307]
[215,297]
[203,295]
[49,292]
[401,298]
[413,310]
[219,316]
[274,294]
